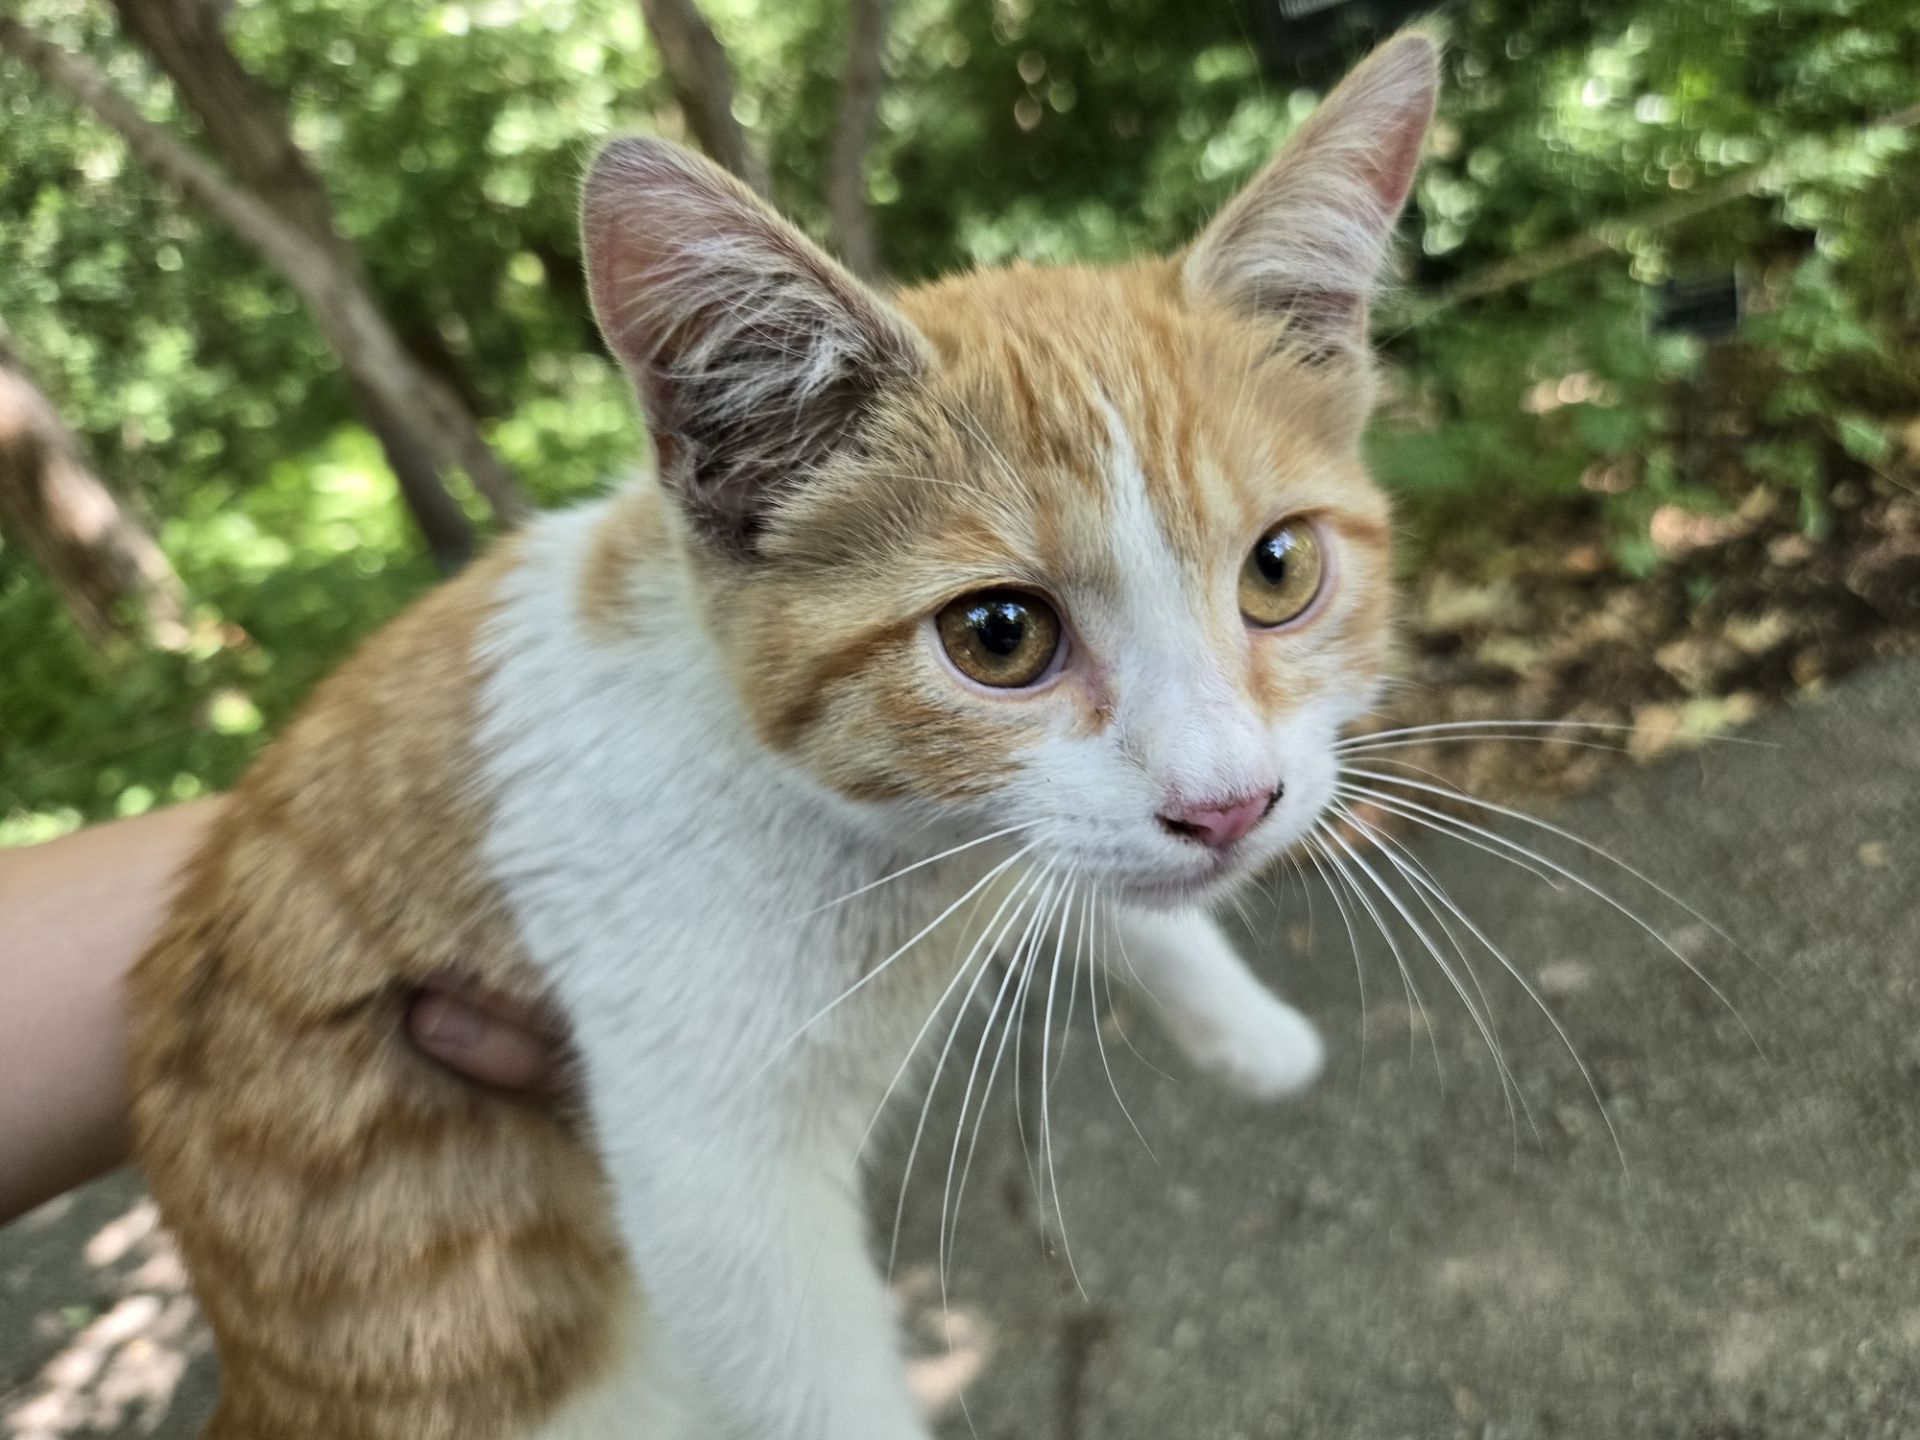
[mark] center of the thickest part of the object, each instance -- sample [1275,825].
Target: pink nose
[1216,824]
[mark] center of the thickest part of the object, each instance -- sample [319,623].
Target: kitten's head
[1085,551]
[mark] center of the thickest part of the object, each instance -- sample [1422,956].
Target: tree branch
[696,67]
[248,128]
[860,86]
[98,556]
[244,124]
[1614,235]
[338,300]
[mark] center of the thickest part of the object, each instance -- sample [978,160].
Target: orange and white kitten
[1066,577]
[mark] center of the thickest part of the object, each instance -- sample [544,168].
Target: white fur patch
[673,880]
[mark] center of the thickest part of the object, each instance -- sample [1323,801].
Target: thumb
[490,1040]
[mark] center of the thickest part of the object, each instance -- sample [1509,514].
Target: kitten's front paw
[1263,1048]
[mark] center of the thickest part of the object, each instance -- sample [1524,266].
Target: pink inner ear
[1392,176]
[651,215]
[754,353]
[677,251]
[1306,240]
[1405,132]
[1390,102]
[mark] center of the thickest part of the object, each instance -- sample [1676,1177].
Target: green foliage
[450,135]
[286,583]
[1565,116]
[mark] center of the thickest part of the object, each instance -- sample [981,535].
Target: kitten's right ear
[755,355]
[1304,243]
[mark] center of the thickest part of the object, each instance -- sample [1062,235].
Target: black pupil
[1001,626]
[1271,556]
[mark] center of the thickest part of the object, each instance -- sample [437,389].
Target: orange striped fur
[384,1253]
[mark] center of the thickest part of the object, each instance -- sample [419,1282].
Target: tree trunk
[244,123]
[696,67]
[860,85]
[102,561]
[282,211]
[443,524]
[248,126]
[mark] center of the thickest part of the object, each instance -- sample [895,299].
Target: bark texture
[860,85]
[107,568]
[702,79]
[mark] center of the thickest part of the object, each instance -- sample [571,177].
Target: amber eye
[1003,638]
[1282,575]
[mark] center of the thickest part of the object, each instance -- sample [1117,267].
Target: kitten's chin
[1185,890]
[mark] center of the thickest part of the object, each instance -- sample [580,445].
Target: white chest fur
[676,882]
[669,874]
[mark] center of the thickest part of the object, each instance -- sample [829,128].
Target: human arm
[75,913]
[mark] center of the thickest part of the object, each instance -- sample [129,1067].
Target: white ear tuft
[1306,240]
[753,352]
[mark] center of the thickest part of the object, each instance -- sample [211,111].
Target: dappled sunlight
[122,1368]
[949,1345]
[117,1367]
[117,1372]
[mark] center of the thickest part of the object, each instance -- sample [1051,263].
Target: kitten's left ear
[755,355]
[1305,242]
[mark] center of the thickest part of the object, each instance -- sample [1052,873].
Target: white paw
[1262,1048]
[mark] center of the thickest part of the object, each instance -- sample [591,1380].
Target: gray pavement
[1390,1257]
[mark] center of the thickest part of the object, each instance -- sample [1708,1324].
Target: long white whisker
[1481,1022]
[1420,743]
[1453,793]
[1133,975]
[1449,726]
[1293,862]
[880,969]
[916,865]
[1029,947]
[1240,909]
[948,1206]
[1313,844]
[1019,1015]
[1414,1000]
[983,946]
[1096,963]
[1046,1119]
[1406,857]
[853,1165]
[1026,965]
[1558,1029]
[1482,1016]
[946,1309]
[1425,880]
[1437,819]
[1025,972]
[1013,970]
[1522,860]
[1073,980]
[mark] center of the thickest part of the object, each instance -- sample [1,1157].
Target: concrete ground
[1390,1257]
